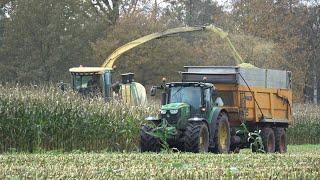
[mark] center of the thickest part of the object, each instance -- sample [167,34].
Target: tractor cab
[196,95]
[91,81]
[184,100]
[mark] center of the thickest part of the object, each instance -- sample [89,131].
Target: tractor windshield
[86,84]
[190,95]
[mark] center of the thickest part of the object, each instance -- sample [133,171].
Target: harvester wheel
[196,137]
[222,134]
[147,141]
[268,140]
[280,140]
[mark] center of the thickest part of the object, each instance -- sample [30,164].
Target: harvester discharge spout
[109,62]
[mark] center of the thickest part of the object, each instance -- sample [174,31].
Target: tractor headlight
[163,111]
[175,111]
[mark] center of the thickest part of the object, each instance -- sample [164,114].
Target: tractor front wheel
[268,140]
[196,137]
[147,141]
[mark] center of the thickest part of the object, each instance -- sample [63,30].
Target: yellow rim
[223,136]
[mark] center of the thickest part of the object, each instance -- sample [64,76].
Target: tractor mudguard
[156,121]
[212,119]
[196,119]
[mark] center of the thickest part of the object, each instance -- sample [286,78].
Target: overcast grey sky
[220,2]
[226,3]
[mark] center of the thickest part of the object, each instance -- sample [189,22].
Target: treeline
[41,39]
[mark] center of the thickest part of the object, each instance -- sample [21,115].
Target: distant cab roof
[88,69]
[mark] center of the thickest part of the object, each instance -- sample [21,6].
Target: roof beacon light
[205,78]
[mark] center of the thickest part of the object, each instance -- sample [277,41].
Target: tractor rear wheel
[268,140]
[280,140]
[222,134]
[147,141]
[196,137]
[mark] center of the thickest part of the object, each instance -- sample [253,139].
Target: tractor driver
[93,83]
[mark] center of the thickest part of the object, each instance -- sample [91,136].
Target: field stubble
[301,162]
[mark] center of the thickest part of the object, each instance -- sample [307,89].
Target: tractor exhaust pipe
[163,98]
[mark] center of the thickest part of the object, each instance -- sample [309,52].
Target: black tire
[148,143]
[222,135]
[235,150]
[196,137]
[268,140]
[234,143]
[254,149]
[280,140]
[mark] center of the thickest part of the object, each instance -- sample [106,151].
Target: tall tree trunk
[115,11]
[189,12]
[315,87]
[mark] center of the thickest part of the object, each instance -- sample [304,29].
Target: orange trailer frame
[262,99]
[257,105]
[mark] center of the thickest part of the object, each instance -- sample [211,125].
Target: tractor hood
[175,106]
[176,113]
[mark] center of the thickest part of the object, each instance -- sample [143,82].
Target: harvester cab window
[93,82]
[82,82]
[190,95]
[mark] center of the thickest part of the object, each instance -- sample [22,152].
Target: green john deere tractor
[192,118]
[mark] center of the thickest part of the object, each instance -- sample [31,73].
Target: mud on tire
[196,137]
[268,139]
[222,134]
[280,140]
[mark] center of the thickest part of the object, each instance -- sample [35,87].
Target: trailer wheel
[235,150]
[196,137]
[147,141]
[268,140]
[222,134]
[280,140]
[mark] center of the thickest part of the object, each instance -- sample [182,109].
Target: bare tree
[108,8]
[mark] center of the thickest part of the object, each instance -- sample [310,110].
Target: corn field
[44,118]
[47,119]
[306,127]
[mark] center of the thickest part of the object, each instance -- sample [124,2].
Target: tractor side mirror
[153,91]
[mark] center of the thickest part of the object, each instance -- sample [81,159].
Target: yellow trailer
[259,98]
